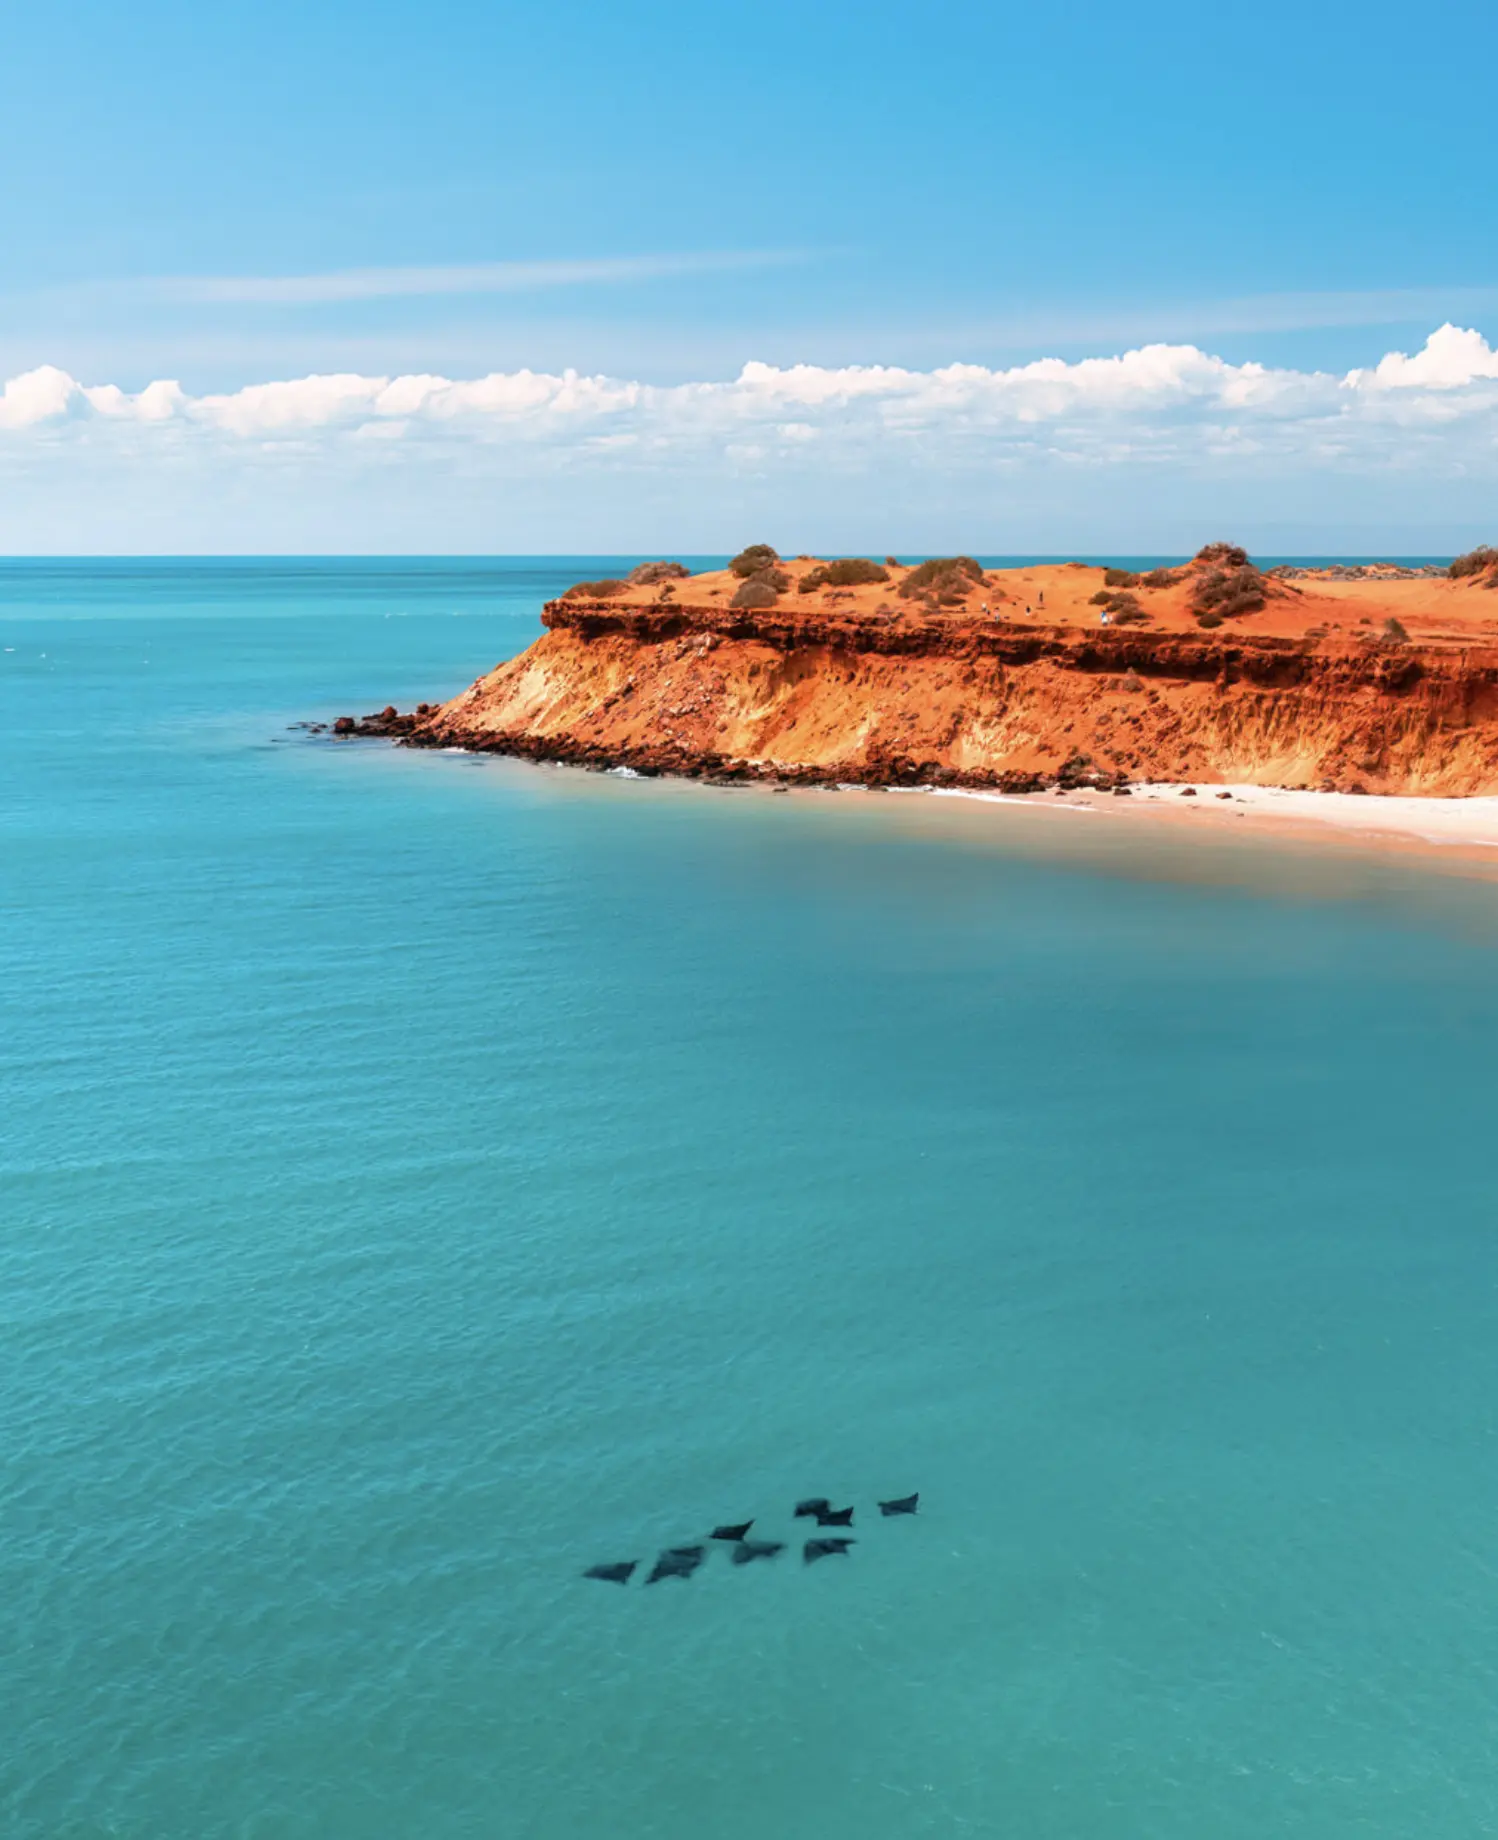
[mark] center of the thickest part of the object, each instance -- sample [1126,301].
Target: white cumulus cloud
[43,395]
[1452,356]
[1158,419]
[1152,387]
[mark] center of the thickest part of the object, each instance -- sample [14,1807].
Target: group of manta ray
[682,1561]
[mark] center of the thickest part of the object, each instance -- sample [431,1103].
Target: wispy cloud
[466,278]
[1312,311]
[1308,311]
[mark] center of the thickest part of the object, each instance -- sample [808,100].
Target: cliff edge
[1379,679]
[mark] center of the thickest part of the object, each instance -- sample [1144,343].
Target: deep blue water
[421,1178]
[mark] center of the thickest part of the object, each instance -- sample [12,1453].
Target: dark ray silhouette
[736,1531]
[747,1550]
[676,1562]
[620,1573]
[823,1549]
[902,1504]
[814,1504]
[835,1517]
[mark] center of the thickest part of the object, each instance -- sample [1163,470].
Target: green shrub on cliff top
[758,591]
[847,572]
[649,573]
[943,575]
[604,590]
[751,560]
[1229,591]
[1476,562]
[1225,555]
[1122,606]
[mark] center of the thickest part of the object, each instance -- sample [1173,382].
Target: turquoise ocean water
[421,1178]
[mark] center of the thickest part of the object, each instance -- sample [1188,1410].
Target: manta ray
[676,1562]
[823,1549]
[902,1504]
[748,1550]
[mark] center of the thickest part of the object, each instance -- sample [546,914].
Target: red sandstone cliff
[1309,690]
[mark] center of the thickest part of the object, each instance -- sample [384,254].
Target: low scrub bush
[604,590]
[944,576]
[849,572]
[1229,591]
[1209,619]
[1224,555]
[751,560]
[1160,578]
[757,591]
[649,573]
[1120,578]
[1476,562]
[1122,607]
[1394,632]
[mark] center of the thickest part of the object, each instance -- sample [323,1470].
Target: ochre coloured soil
[1019,685]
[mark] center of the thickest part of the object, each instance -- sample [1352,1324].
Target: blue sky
[245,194]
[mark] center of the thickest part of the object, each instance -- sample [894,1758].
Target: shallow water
[425,1177]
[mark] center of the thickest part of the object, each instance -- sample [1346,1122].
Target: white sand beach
[1461,824]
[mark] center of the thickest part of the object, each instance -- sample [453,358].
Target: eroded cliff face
[821,695]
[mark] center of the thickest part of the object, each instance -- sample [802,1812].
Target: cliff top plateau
[1220,588]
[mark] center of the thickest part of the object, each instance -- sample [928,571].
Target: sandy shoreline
[1449,830]
[1450,826]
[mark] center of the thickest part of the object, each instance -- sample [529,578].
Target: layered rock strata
[879,696]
